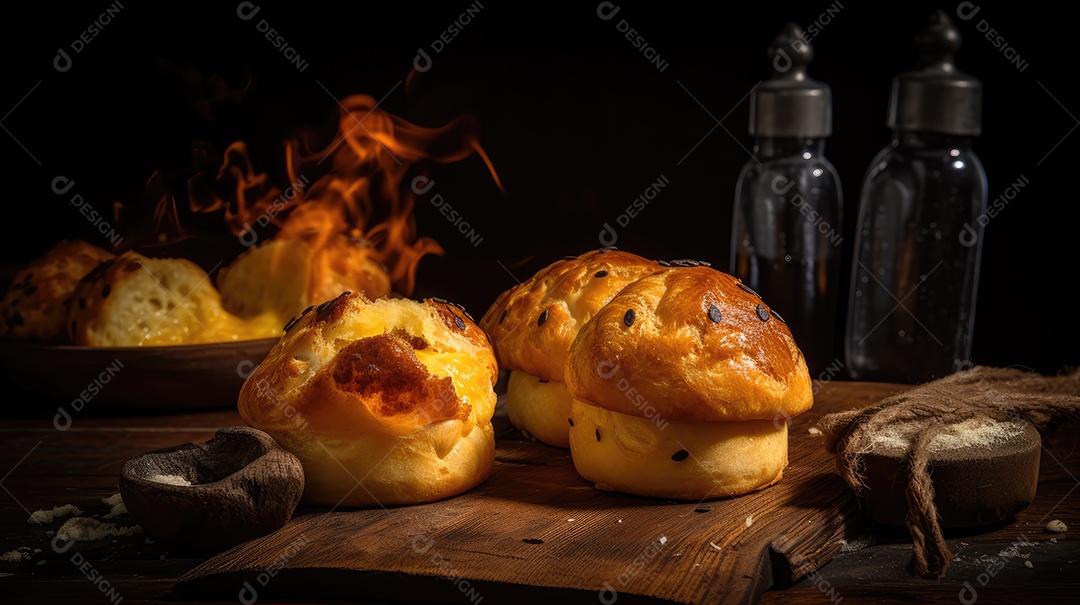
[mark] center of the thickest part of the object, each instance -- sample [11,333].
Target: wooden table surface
[42,467]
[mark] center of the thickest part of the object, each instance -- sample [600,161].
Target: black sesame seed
[504,314]
[571,421]
[309,309]
[323,306]
[543,317]
[598,434]
[532,540]
[569,258]
[105,291]
[607,249]
[663,263]
[680,455]
[441,301]
[601,274]
[777,316]
[762,313]
[629,317]
[82,303]
[703,509]
[714,314]
[543,381]
[460,323]
[747,288]
[292,322]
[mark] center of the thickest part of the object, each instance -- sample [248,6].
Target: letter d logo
[607,10]
[61,62]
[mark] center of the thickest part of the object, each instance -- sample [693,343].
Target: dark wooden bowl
[235,487]
[163,377]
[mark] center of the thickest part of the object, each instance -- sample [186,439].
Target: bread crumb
[813,430]
[1029,565]
[571,520]
[712,544]
[1057,526]
[663,540]
[116,506]
[41,517]
[41,562]
[15,555]
[1053,540]
[83,529]
[6,575]
[749,520]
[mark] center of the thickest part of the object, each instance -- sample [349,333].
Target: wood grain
[535,531]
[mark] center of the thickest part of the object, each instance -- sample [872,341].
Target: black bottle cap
[789,104]
[937,97]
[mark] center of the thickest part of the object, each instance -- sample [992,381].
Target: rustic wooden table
[42,467]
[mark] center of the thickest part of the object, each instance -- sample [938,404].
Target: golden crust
[395,393]
[533,324]
[682,459]
[540,408]
[691,344]
[35,306]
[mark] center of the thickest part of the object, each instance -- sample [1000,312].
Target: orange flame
[336,195]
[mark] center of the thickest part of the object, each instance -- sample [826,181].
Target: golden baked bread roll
[384,402]
[134,300]
[533,324]
[35,305]
[284,276]
[682,387]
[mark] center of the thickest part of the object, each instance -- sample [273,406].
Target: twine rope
[999,393]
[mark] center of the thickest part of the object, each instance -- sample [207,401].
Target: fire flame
[348,200]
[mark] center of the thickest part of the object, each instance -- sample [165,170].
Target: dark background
[576,120]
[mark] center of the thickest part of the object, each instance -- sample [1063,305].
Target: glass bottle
[918,238]
[786,230]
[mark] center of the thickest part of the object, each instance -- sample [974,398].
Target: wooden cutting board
[535,531]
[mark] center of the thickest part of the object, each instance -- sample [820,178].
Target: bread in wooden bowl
[385,402]
[682,386]
[135,300]
[35,306]
[284,276]
[533,324]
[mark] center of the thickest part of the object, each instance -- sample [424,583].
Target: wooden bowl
[238,486]
[163,377]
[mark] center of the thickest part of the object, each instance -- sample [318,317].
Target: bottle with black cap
[918,238]
[786,229]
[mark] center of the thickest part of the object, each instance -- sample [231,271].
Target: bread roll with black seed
[135,300]
[35,306]
[682,386]
[384,402]
[533,324]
